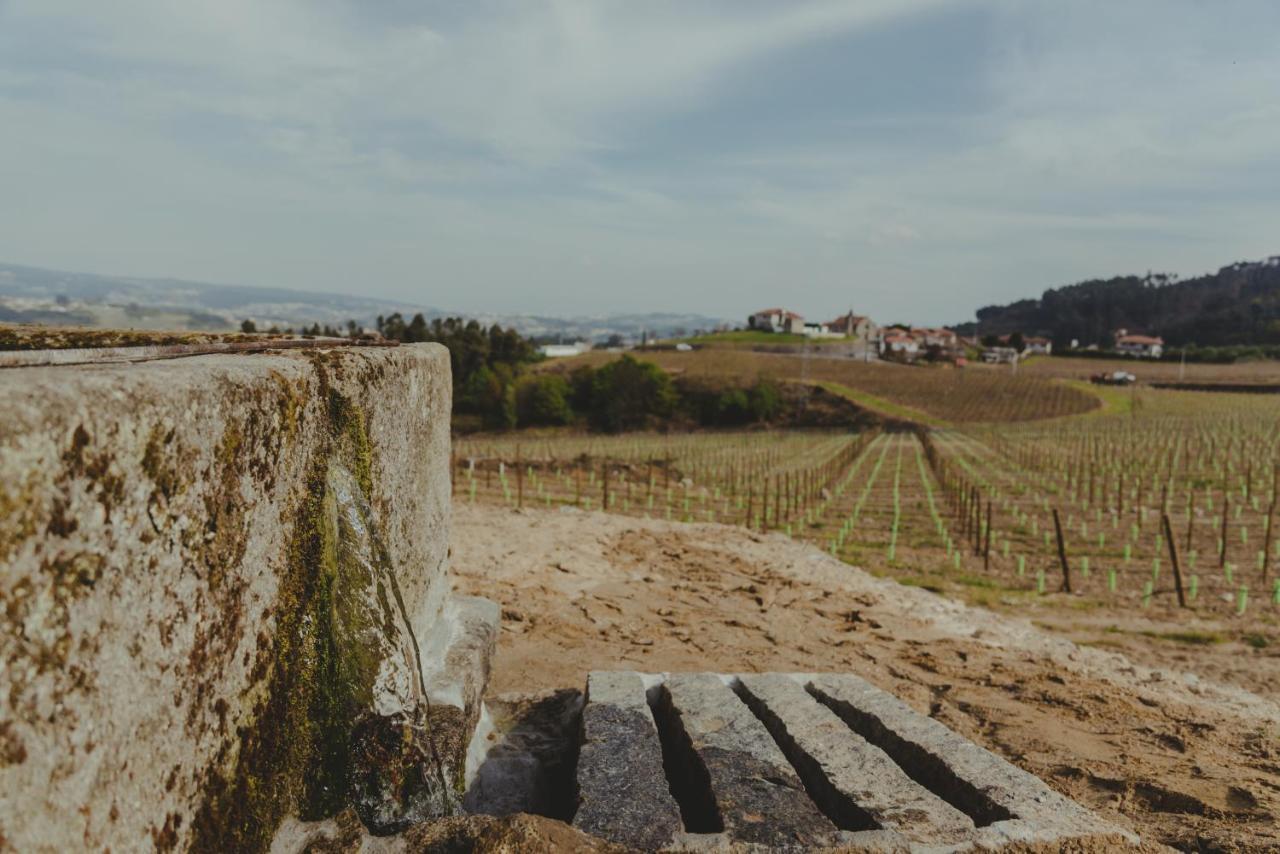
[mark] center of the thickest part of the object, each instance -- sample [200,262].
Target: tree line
[494,387]
[1236,307]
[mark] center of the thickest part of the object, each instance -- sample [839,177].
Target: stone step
[625,797]
[755,790]
[783,761]
[856,783]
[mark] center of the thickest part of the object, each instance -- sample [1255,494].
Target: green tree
[627,395]
[543,400]
[581,385]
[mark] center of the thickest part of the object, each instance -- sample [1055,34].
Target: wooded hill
[1237,306]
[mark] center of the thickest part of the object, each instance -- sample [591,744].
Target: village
[904,343]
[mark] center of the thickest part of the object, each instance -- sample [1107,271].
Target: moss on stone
[158,463]
[289,404]
[75,337]
[353,438]
[294,753]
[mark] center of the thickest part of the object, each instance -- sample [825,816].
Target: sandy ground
[1178,760]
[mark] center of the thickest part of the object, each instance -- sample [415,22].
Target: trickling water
[397,778]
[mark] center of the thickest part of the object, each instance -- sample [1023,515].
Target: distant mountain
[1238,305]
[34,295]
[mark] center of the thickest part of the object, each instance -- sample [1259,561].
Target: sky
[910,159]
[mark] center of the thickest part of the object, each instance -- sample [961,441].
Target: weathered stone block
[195,613]
[622,788]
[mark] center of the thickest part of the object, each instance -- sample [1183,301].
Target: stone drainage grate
[785,760]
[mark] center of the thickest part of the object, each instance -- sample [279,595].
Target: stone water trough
[228,626]
[226,596]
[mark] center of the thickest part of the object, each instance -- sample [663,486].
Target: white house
[776,320]
[1142,346]
[1038,346]
[900,343]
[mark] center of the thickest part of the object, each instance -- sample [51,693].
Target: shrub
[733,407]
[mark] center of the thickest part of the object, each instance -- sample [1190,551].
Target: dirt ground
[1178,759]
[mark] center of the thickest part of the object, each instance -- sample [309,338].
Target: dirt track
[1180,761]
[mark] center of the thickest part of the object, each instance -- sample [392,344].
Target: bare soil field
[1178,758]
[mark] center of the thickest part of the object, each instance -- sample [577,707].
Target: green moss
[223,538]
[290,404]
[353,437]
[294,756]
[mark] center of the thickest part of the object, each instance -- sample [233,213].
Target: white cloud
[497,144]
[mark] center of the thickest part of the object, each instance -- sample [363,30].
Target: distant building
[1000,355]
[1142,346]
[1038,346]
[900,344]
[560,351]
[821,330]
[776,320]
[853,326]
[940,337]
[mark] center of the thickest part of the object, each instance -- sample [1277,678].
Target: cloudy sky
[910,158]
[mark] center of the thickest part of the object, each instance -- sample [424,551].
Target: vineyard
[1171,505]
[926,394]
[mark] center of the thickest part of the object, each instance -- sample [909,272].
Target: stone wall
[178,669]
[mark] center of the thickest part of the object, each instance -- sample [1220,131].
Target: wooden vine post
[519,479]
[986,549]
[1062,553]
[1271,518]
[1173,558]
[1226,507]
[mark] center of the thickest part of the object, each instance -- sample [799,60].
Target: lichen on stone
[342,675]
[17,515]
